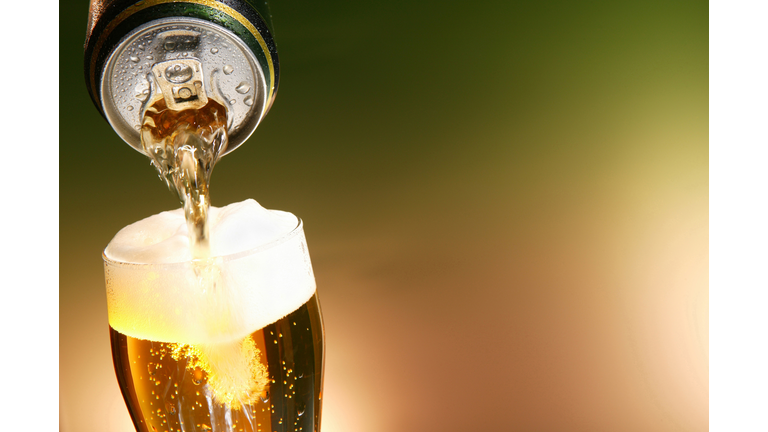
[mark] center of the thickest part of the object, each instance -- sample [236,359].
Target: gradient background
[506,205]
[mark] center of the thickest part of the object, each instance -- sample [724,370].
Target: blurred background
[506,204]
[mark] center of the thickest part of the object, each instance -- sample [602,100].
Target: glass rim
[299,229]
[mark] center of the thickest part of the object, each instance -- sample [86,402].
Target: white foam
[163,238]
[259,272]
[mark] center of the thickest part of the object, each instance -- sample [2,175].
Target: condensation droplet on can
[214,50]
[169,45]
[228,69]
[178,73]
[141,91]
[248,100]
[129,108]
[232,101]
[134,59]
[243,88]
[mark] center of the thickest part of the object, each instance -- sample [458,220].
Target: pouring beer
[213,313]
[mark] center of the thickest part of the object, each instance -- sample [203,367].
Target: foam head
[259,272]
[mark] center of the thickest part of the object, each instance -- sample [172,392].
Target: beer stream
[184,146]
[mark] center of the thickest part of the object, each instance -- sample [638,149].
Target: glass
[204,348]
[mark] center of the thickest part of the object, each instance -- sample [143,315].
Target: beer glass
[231,344]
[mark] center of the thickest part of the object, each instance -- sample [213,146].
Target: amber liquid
[165,394]
[184,147]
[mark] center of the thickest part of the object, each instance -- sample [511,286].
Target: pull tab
[181,83]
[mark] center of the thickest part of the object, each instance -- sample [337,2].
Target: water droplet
[129,108]
[141,46]
[243,87]
[228,69]
[178,73]
[141,91]
[214,50]
[149,57]
[169,45]
[232,101]
[248,100]
[134,59]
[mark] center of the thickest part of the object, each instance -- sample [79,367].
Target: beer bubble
[300,409]
[151,368]
[197,376]
[228,69]
[243,88]
[264,396]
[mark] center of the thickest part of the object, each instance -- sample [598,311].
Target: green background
[506,204]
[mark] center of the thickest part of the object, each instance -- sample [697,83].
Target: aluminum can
[188,50]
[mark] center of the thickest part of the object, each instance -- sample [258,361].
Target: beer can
[188,50]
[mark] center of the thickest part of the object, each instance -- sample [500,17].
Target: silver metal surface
[188,60]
